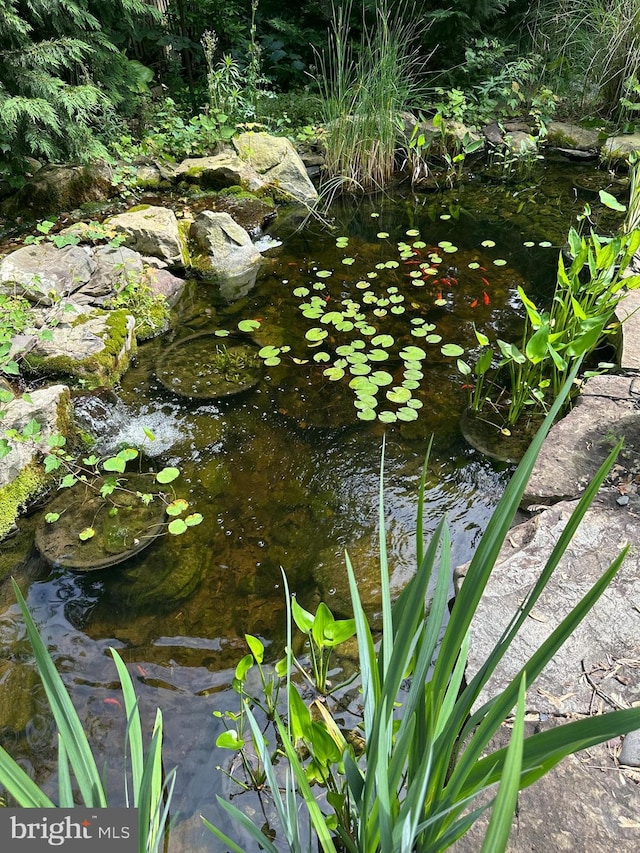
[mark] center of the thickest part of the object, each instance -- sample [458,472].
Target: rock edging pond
[596,794]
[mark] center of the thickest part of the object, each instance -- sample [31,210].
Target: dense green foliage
[79,76]
[64,69]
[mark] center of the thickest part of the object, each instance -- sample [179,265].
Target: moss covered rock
[22,475]
[152,230]
[92,349]
[54,189]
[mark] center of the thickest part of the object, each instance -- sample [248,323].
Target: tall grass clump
[420,769]
[146,787]
[592,45]
[364,91]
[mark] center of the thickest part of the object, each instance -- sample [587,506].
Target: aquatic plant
[412,775]
[105,476]
[363,94]
[528,376]
[147,787]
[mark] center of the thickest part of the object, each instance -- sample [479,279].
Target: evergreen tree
[63,67]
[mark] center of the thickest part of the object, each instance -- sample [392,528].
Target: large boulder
[22,476]
[219,171]
[57,188]
[45,274]
[595,671]
[223,250]
[94,349]
[618,148]
[605,411]
[571,137]
[278,164]
[152,230]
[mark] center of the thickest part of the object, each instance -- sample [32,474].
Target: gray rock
[630,752]
[609,632]
[520,143]
[152,230]
[226,169]
[579,443]
[163,283]
[44,274]
[56,188]
[628,312]
[592,673]
[95,348]
[564,135]
[224,248]
[22,477]
[583,804]
[116,267]
[278,164]
[619,147]
[148,177]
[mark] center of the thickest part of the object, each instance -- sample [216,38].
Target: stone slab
[628,312]
[579,443]
[589,802]
[610,631]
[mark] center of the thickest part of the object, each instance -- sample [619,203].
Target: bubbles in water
[116,425]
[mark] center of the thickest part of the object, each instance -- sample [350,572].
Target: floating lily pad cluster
[364,328]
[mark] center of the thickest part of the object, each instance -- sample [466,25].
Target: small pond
[285,473]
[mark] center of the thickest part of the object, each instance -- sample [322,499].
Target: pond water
[285,475]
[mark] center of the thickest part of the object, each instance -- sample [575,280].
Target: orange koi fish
[485,297]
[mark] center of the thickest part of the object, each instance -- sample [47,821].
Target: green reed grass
[146,786]
[417,783]
[364,92]
[594,43]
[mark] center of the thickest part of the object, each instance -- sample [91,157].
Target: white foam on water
[115,425]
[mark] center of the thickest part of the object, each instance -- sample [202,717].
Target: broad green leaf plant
[524,379]
[415,778]
[146,785]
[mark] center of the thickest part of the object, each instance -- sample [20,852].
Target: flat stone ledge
[607,410]
[590,801]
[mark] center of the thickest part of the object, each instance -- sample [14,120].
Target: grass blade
[499,829]
[134,727]
[20,785]
[65,790]
[246,823]
[66,717]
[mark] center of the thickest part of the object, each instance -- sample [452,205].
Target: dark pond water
[285,475]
